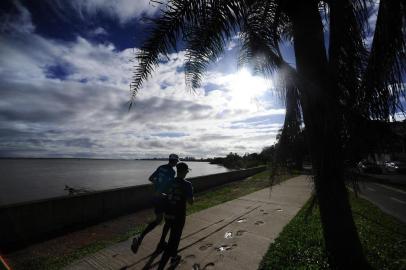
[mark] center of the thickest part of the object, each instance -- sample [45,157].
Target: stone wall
[25,223]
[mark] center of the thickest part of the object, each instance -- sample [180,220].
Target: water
[32,179]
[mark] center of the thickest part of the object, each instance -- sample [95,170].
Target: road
[388,199]
[397,179]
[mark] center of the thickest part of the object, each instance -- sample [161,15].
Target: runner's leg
[165,257]
[165,231]
[151,226]
[176,233]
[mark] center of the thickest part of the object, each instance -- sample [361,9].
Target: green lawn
[301,245]
[232,191]
[203,200]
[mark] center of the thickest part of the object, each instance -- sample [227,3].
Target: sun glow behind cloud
[245,89]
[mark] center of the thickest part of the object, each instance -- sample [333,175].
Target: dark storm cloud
[171,109]
[213,137]
[14,136]
[23,152]
[9,133]
[154,111]
[15,143]
[151,144]
[45,103]
[47,118]
[81,142]
[34,115]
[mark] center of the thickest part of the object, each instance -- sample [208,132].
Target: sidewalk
[232,235]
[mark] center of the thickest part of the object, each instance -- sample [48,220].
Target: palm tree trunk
[322,118]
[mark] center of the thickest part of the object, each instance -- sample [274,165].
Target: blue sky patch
[58,71]
[208,87]
[170,134]
[263,119]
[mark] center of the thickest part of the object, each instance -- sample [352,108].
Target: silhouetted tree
[235,161]
[335,86]
[291,147]
[267,154]
[371,137]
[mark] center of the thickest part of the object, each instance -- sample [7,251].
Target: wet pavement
[232,235]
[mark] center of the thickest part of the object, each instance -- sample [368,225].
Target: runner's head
[173,159]
[182,169]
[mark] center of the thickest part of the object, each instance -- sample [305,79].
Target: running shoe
[135,244]
[175,260]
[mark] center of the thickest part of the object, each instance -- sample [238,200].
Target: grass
[232,191]
[203,200]
[300,245]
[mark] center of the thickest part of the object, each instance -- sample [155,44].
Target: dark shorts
[159,204]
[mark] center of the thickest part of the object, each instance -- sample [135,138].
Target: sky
[65,69]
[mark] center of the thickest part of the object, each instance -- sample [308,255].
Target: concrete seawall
[25,223]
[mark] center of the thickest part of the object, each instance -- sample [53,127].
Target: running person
[162,179]
[180,192]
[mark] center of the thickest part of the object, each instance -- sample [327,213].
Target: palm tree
[291,143]
[337,87]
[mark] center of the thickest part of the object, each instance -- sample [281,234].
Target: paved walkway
[232,235]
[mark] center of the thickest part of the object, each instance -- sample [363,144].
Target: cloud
[124,10]
[99,31]
[70,99]
[170,134]
[9,23]
[373,15]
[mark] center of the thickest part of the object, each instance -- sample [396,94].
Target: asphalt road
[397,179]
[388,199]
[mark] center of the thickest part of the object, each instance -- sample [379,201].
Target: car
[365,166]
[395,167]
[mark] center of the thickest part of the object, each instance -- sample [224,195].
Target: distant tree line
[290,151]
[235,161]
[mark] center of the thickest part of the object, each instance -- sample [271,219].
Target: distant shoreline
[31,179]
[128,159]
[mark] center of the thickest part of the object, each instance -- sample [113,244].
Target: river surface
[32,179]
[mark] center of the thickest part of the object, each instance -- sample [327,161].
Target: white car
[395,167]
[365,166]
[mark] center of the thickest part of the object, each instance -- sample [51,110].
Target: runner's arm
[190,197]
[153,176]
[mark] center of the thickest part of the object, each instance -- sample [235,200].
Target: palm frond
[207,38]
[261,49]
[260,37]
[347,53]
[382,83]
[162,38]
